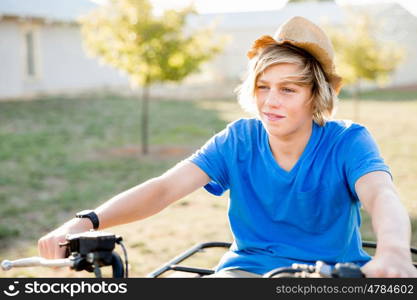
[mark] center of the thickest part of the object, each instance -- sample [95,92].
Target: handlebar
[91,250]
[36,261]
[319,270]
[88,251]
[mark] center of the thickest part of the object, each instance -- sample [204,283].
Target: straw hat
[304,34]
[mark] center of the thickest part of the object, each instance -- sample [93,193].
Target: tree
[361,55]
[127,35]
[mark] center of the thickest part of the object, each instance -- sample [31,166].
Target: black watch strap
[89,214]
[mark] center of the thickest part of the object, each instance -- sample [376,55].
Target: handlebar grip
[36,261]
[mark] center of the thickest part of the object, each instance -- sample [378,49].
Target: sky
[214,6]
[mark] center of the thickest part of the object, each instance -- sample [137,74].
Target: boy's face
[283,106]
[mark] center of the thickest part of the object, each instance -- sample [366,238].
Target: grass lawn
[59,156]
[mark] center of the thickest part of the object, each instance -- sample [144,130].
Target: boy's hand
[48,245]
[390,264]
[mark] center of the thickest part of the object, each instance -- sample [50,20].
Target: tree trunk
[145,119]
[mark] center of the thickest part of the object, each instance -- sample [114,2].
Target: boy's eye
[288,90]
[262,87]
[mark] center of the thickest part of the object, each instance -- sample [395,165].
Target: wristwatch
[89,214]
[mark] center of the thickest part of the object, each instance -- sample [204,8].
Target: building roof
[314,11]
[54,10]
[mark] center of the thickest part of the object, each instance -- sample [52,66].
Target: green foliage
[127,35]
[360,54]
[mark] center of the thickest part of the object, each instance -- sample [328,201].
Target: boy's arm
[391,225]
[152,196]
[131,205]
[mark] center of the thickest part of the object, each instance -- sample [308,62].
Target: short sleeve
[361,156]
[212,158]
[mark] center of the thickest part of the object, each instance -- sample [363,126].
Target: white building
[41,47]
[41,50]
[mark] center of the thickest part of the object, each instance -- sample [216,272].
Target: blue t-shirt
[280,217]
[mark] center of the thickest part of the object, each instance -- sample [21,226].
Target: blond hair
[323,98]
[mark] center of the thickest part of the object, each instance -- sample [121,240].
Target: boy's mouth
[274,117]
